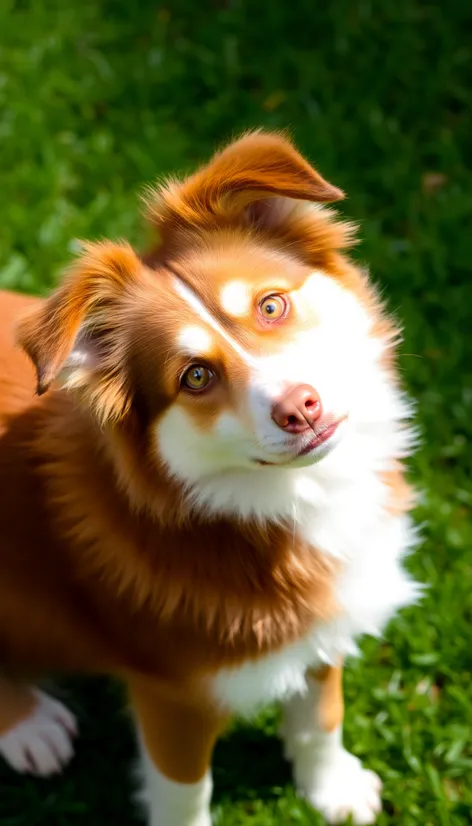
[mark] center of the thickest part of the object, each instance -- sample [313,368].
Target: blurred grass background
[99,97]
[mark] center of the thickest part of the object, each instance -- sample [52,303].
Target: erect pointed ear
[258,176]
[72,330]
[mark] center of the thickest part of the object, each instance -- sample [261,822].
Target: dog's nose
[298,410]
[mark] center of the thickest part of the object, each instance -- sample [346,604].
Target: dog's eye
[273,307]
[197,377]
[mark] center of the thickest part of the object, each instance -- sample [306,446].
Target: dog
[205,496]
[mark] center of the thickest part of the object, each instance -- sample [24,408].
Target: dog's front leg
[325,773]
[176,740]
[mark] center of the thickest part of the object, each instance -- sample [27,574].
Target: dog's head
[245,340]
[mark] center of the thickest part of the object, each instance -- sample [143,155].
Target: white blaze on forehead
[235,298]
[199,308]
[194,340]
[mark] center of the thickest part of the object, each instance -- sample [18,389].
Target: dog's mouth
[317,444]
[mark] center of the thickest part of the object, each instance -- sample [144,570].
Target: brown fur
[105,568]
[168,722]
[330,710]
[401,496]
[251,591]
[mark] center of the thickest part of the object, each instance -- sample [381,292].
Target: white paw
[42,743]
[343,788]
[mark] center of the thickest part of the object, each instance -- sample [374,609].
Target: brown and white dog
[210,503]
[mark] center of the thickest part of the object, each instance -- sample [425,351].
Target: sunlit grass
[98,98]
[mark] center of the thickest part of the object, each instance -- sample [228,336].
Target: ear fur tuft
[78,313]
[260,165]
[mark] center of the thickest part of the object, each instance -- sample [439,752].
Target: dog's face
[246,345]
[256,363]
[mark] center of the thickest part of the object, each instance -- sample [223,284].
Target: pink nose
[298,410]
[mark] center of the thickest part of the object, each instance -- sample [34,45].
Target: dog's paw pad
[42,743]
[344,789]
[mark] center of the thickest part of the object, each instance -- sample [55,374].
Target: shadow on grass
[249,763]
[99,785]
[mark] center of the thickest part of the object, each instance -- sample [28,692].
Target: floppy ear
[72,333]
[257,177]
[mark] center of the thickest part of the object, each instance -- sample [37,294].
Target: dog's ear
[71,335]
[258,177]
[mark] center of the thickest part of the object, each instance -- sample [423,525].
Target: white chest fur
[352,525]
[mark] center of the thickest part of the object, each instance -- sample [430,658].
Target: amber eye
[197,377]
[273,307]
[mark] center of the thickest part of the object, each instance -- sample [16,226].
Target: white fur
[340,359]
[41,744]
[325,296]
[338,504]
[235,298]
[195,340]
[174,804]
[371,587]
[325,773]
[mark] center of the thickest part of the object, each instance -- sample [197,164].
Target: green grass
[98,97]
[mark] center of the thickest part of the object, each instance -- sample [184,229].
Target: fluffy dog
[205,497]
